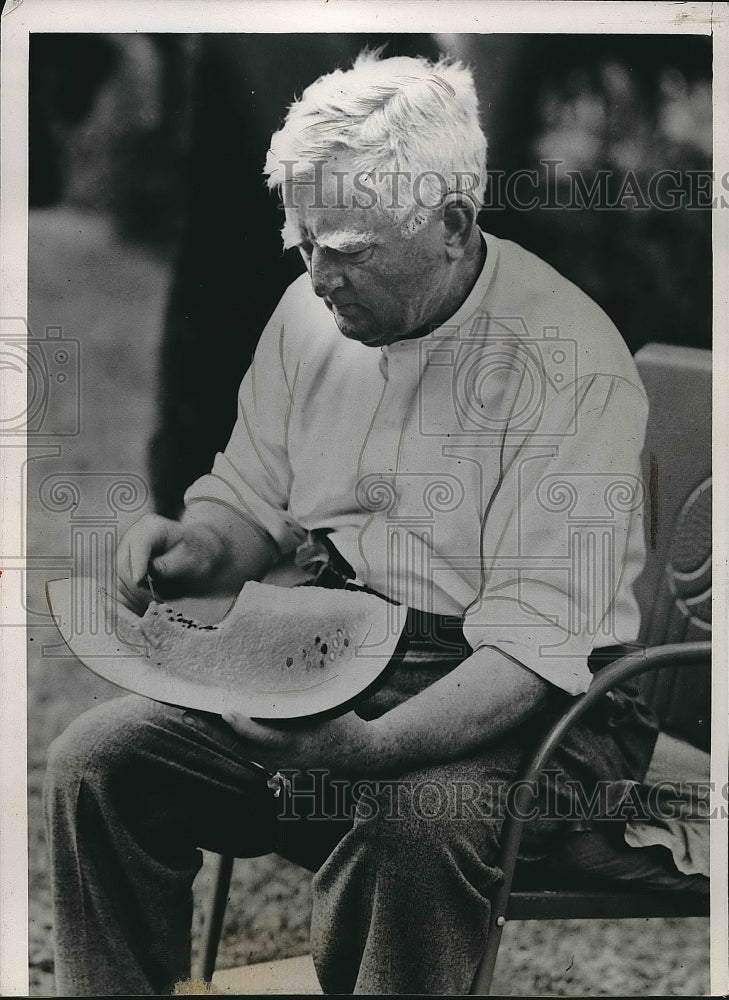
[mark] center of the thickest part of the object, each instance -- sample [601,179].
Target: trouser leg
[403,903]
[132,792]
[602,854]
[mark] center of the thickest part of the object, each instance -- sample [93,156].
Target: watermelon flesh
[272,639]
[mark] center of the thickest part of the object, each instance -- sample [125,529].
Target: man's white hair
[404,115]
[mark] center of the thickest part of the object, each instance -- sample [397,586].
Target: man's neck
[469,271]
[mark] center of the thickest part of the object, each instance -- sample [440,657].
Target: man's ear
[458,212]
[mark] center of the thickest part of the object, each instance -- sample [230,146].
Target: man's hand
[343,745]
[211,551]
[181,558]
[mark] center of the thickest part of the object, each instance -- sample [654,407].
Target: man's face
[379,286]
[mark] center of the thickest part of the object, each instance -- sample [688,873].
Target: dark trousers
[404,869]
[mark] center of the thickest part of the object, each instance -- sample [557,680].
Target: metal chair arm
[623,669]
[632,665]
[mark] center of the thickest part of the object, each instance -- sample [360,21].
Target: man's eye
[348,257]
[358,256]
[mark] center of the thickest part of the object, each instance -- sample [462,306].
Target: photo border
[19,19]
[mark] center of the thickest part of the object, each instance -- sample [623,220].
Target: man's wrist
[355,750]
[371,757]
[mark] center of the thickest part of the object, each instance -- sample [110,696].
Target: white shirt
[490,467]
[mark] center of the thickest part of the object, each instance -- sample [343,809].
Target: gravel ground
[110,297]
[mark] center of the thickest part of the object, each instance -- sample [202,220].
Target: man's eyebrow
[345,240]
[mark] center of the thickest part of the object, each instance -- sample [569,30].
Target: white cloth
[491,466]
[682,823]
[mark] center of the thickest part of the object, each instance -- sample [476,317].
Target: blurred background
[154,254]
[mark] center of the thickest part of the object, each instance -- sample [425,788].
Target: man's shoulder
[542,290]
[551,305]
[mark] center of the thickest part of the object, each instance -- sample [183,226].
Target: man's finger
[148,536]
[178,561]
[138,563]
[215,729]
[134,600]
[139,543]
[259,732]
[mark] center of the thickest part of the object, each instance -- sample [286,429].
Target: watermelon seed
[289,660]
[324,648]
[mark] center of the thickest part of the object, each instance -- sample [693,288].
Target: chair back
[674,589]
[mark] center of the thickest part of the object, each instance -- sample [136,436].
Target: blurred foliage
[647,264]
[65,76]
[109,128]
[628,108]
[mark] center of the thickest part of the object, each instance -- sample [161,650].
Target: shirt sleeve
[562,536]
[253,475]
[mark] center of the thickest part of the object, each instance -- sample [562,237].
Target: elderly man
[456,428]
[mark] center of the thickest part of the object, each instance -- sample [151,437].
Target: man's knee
[413,837]
[425,812]
[97,746]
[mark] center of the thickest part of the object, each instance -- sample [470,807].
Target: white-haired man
[459,429]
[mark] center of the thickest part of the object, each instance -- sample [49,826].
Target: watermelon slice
[277,653]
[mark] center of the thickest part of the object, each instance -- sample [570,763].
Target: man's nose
[326,272]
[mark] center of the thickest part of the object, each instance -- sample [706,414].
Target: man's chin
[362,334]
